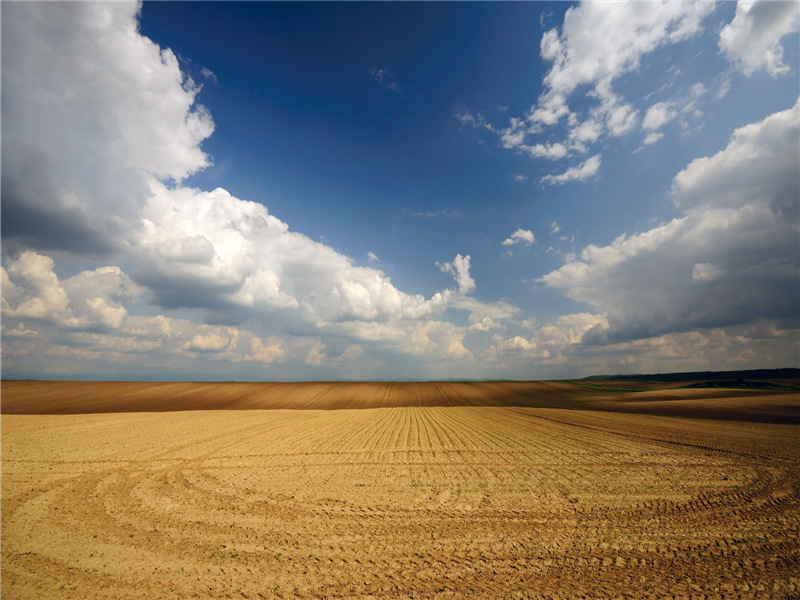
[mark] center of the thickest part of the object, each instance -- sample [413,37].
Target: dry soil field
[457,490]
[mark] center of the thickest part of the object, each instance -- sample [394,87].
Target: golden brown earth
[398,490]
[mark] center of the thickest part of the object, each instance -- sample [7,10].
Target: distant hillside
[704,376]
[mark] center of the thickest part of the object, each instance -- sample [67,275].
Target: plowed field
[492,490]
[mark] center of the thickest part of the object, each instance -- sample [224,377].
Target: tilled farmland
[450,490]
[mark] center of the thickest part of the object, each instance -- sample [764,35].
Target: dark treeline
[704,376]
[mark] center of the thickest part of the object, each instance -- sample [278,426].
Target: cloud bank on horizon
[116,263]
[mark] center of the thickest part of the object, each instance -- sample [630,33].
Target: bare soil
[397,490]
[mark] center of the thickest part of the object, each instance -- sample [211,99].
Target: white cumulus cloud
[520,236]
[459,269]
[652,138]
[582,172]
[91,108]
[583,53]
[658,115]
[586,59]
[101,127]
[752,41]
[31,289]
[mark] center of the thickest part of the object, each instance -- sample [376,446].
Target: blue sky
[398,190]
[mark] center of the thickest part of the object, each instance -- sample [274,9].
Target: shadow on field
[671,399]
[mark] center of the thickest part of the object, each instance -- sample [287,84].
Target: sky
[410,190]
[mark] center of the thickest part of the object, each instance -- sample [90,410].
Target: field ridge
[660,398]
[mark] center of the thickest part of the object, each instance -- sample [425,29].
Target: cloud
[549,344]
[576,345]
[723,88]
[98,296]
[459,269]
[523,236]
[587,132]
[209,74]
[730,260]
[480,311]
[316,355]
[582,172]
[684,108]
[265,351]
[82,324]
[583,54]
[384,78]
[551,151]
[93,167]
[81,129]
[57,316]
[352,352]
[585,57]
[705,272]
[659,115]
[758,168]
[444,213]
[433,340]
[485,324]
[513,137]
[478,120]
[31,290]
[212,342]
[752,41]
[213,250]
[652,138]
[19,331]
[91,311]
[89,300]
